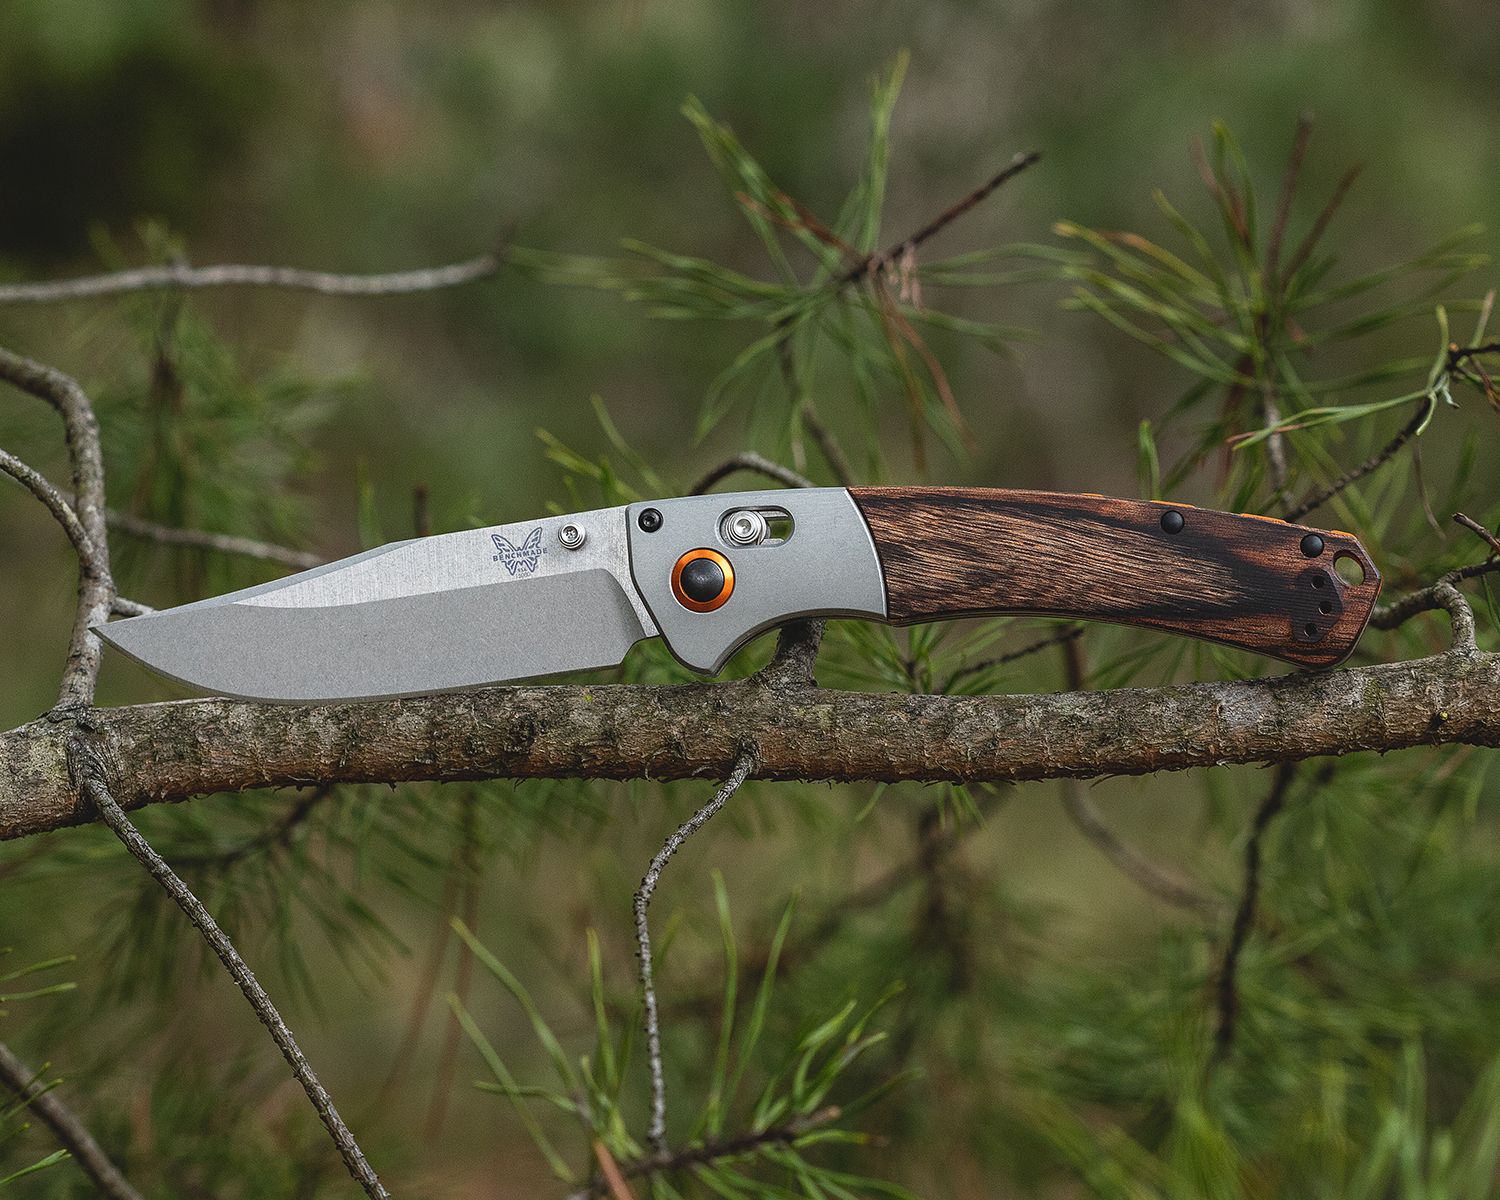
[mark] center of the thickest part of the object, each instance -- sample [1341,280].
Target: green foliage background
[1040,1025]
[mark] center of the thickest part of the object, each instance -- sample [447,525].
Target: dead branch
[656,1132]
[176,750]
[223,543]
[1443,594]
[1154,880]
[36,483]
[874,263]
[88,767]
[1479,531]
[181,277]
[66,1126]
[1316,499]
[666,1162]
[754,463]
[96,592]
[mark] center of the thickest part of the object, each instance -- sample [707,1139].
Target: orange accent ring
[702,606]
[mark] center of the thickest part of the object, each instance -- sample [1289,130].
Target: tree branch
[180,276]
[1478,531]
[1321,496]
[224,543]
[709,1153]
[874,263]
[88,768]
[175,750]
[656,1132]
[96,592]
[796,656]
[65,1125]
[1443,594]
[750,461]
[1148,876]
[1244,917]
[1130,862]
[36,483]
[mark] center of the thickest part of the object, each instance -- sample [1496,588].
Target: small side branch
[796,656]
[1129,861]
[1244,917]
[1478,531]
[1443,594]
[66,1126]
[1377,460]
[707,1154]
[35,483]
[180,277]
[1061,638]
[95,587]
[224,543]
[754,463]
[89,772]
[874,263]
[1155,880]
[656,1132]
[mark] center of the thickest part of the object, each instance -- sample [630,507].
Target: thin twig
[656,1132]
[1026,651]
[1130,862]
[1289,181]
[95,587]
[36,483]
[1151,878]
[276,836]
[466,865]
[421,997]
[90,777]
[709,1153]
[1377,460]
[796,656]
[224,543]
[1320,225]
[833,453]
[65,1126]
[1443,594]
[748,460]
[1475,527]
[878,261]
[180,276]
[1244,916]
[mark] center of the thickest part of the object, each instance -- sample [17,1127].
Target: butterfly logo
[523,558]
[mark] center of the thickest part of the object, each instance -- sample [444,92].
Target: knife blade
[709,573]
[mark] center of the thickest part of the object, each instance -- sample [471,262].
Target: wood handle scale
[1255,583]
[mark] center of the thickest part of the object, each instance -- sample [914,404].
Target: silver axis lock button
[745,528]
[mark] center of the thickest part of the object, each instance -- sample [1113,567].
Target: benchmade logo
[522,559]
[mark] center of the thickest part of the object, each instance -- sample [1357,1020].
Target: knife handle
[1255,583]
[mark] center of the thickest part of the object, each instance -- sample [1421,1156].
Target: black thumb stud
[702,580]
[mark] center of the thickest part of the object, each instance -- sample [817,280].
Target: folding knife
[708,573]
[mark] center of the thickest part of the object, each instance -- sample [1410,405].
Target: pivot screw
[1312,545]
[572,537]
[649,520]
[1172,521]
[745,528]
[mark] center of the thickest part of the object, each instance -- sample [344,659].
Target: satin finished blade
[434,614]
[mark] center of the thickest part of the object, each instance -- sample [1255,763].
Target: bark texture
[172,751]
